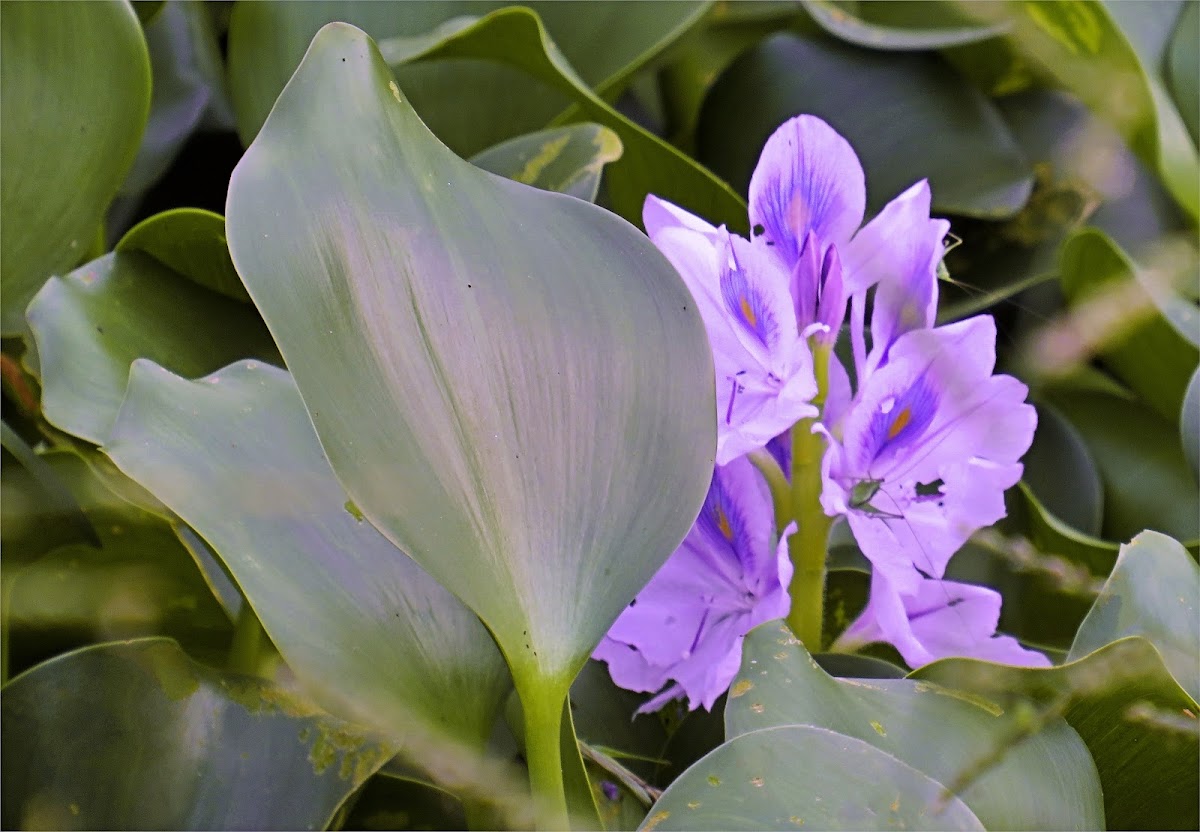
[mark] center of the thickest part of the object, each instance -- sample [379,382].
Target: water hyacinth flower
[940,619]
[928,446]
[761,299]
[682,635]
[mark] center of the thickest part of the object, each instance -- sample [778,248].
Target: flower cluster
[919,449]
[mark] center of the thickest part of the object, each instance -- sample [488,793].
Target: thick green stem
[807,547]
[542,701]
[248,636]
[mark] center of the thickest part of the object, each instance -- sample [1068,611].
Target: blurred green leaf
[1060,471]
[569,160]
[1153,592]
[372,636]
[1076,44]
[1189,423]
[1149,350]
[899,25]
[190,242]
[135,735]
[444,334]
[92,324]
[75,95]
[1147,482]
[1183,68]
[912,119]
[53,497]
[798,775]
[1047,782]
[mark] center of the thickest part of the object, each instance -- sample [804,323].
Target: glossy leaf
[190,242]
[1147,483]
[1047,782]
[1060,471]
[366,630]
[568,160]
[1189,423]
[75,93]
[472,354]
[135,735]
[1146,767]
[801,776]
[1155,352]
[1153,592]
[899,25]
[92,324]
[912,119]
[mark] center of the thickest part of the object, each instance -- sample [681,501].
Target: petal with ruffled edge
[940,619]
[899,245]
[808,178]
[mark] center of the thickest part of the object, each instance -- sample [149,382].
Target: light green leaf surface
[911,119]
[1153,592]
[367,631]
[569,160]
[799,776]
[1146,765]
[92,324]
[190,242]
[75,95]
[1048,782]
[135,735]
[513,385]
[1155,351]
[899,25]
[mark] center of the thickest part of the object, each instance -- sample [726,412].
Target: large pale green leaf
[513,385]
[1147,765]
[1155,352]
[1153,592]
[368,632]
[135,735]
[800,776]
[1048,782]
[900,25]
[564,159]
[911,119]
[92,324]
[1077,45]
[75,93]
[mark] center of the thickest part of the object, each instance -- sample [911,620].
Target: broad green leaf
[1075,44]
[1189,423]
[1147,482]
[75,93]
[1153,592]
[469,104]
[1060,471]
[139,580]
[569,160]
[1125,705]
[190,242]
[92,324]
[368,632]
[474,356]
[1048,782]
[912,119]
[800,776]
[516,37]
[1183,68]
[135,735]
[899,25]
[1154,350]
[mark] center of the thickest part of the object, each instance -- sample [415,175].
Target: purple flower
[762,299]
[927,448]
[682,635]
[939,619]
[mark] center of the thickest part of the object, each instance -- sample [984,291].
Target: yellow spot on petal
[740,688]
[723,524]
[656,820]
[747,312]
[899,423]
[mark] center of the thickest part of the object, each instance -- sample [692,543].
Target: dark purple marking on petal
[611,792]
[726,543]
[735,388]
[748,306]
[900,420]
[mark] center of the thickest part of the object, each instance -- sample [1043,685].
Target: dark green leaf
[1060,471]
[75,93]
[912,119]
[135,735]
[564,159]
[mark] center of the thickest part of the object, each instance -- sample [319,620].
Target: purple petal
[659,215]
[753,407]
[755,296]
[831,309]
[902,244]
[808,178]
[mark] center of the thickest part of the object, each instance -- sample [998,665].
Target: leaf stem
[542,700]
[807,547]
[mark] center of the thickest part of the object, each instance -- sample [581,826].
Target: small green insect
[863,492]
